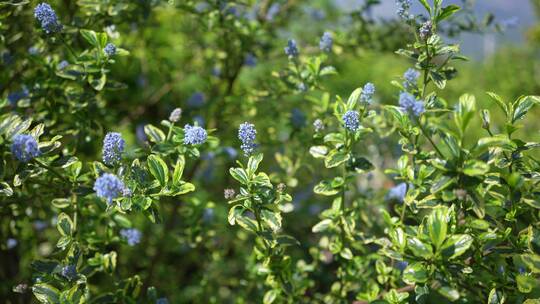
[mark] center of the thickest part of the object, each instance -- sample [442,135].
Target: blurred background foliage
[223,68]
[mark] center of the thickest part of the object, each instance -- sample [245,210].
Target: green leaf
[438,79]
[447,12]
[90,37]
[449,293]
[523,105]
[496,297]
[61,203]
[500,102]
[442,183]
[270,296]
[65,224]
[318,151]
[272,219]
[287,240]
[97,82]
[154,134]
[182,189]
[353,98]
[419,249]
[415,273]
[456,245]
[246,223]
[46,293]
[253,163]
[178,170]
[336,158]
[474,167]
[346,253]
[361,165]
[235,212]
[240,175]
[426,6]
[322,226]
[532,261]
[158,168]
[5,189]
[533,237]
[325,188]
[526,283]
[437,225]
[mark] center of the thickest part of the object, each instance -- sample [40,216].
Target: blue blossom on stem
[110,49]
[326,42]
[367,93]
[298,118]
[291,49]
[196,100]
[11,243]
[403,7]
[25,147]
[250,60]
[194,135]
[162,301]
[409,104]
[131,235]
[108,186]
[69,272]
[411,77]
[398,192]
[62,65]
[318,125]
[175,115]
[113,147]
[426,30]
[14,97]
[247,134]
[45,14]
[351,120]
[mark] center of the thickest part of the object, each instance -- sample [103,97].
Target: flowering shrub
[273,191]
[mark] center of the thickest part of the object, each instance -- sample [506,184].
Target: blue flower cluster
[69,272]
[196,100]
[14,97]
[110,49]
[326,42]
[11,243]
[25,147]
[113,147]
[351,120]
[194,135]
[403,7]
[131,235]
[426,30]
[411,77]
[291,49]
[175,115]
[367,93]
[250,60]
[47,17]
[409,104]
[108,186]
[247,134]
[318,125]
[63,64]
[162,301]
[298,118]
[398,192]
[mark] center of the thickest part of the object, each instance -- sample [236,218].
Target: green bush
[188,152]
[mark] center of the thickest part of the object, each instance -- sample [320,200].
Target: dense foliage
[204,152]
